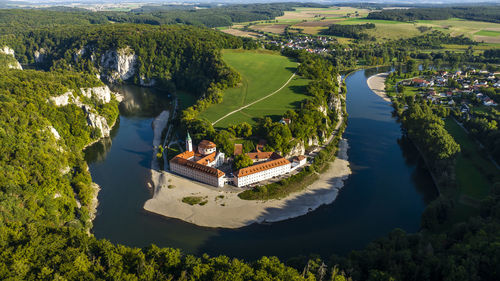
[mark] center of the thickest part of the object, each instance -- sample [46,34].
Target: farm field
[314,20]
[477,30]
[238,32]
[312,13]
[263,72]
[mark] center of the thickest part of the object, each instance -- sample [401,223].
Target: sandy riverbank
[376,83]
[225,209]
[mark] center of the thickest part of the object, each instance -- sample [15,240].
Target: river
[389,188]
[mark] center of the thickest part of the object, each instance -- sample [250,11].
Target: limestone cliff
[118,65]
[94,120]
[14,64]
[40,55]
[102,94]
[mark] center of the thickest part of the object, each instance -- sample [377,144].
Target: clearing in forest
[262,73]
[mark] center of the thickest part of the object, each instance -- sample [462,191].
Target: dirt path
[252,103]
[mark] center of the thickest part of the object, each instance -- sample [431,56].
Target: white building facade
[261,172]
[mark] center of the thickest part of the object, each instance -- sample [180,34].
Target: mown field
[263,72]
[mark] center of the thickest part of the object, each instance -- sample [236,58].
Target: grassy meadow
[262,72]
[475,173]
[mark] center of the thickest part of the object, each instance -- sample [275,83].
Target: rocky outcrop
[102,94]
[323,110]
[54,132]
[10,52]
[64,99]
[297,150]
[97,121]
[16,65]
[94,120]
[118,65]
[79,53]
[40,55]
[313,141]
[335,104]
[7,50]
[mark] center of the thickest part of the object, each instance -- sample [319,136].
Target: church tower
[189,143]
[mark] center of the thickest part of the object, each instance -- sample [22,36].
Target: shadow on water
[389,188]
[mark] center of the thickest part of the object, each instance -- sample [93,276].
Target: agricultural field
[238,32]
[487,32]
[314,20]
[263,72]
[318,13]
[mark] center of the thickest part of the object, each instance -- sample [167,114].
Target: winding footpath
[252,103]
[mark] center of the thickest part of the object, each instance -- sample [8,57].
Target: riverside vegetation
[43,231]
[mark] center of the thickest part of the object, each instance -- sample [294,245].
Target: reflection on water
[142,102]
[389,188]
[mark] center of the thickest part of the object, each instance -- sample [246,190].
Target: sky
[247,1]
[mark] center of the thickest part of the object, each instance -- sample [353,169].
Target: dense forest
[477,13]
[41,172]
[354,31]
[18,20]
[176,56]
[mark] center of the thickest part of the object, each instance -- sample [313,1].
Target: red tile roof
[199,167]
[204,144]
[207,159]
[261,167]
[260,155]
[185,155]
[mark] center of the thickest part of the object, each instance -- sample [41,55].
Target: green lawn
[262,72]
[474,173]
[488,33]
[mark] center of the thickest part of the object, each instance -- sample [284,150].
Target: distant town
[463,90]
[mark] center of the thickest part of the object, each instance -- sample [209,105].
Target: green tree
[242,161]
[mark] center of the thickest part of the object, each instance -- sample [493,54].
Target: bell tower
[189,143]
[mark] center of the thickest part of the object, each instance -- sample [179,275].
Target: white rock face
[101,93]
[96,121]
[297,150]
[55,132]
[121,64]
[93,120]
[40,55]
[16,65]
[79,53]
[335,104]
[9,51]
[313,141]
[63,99]
[323,110]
